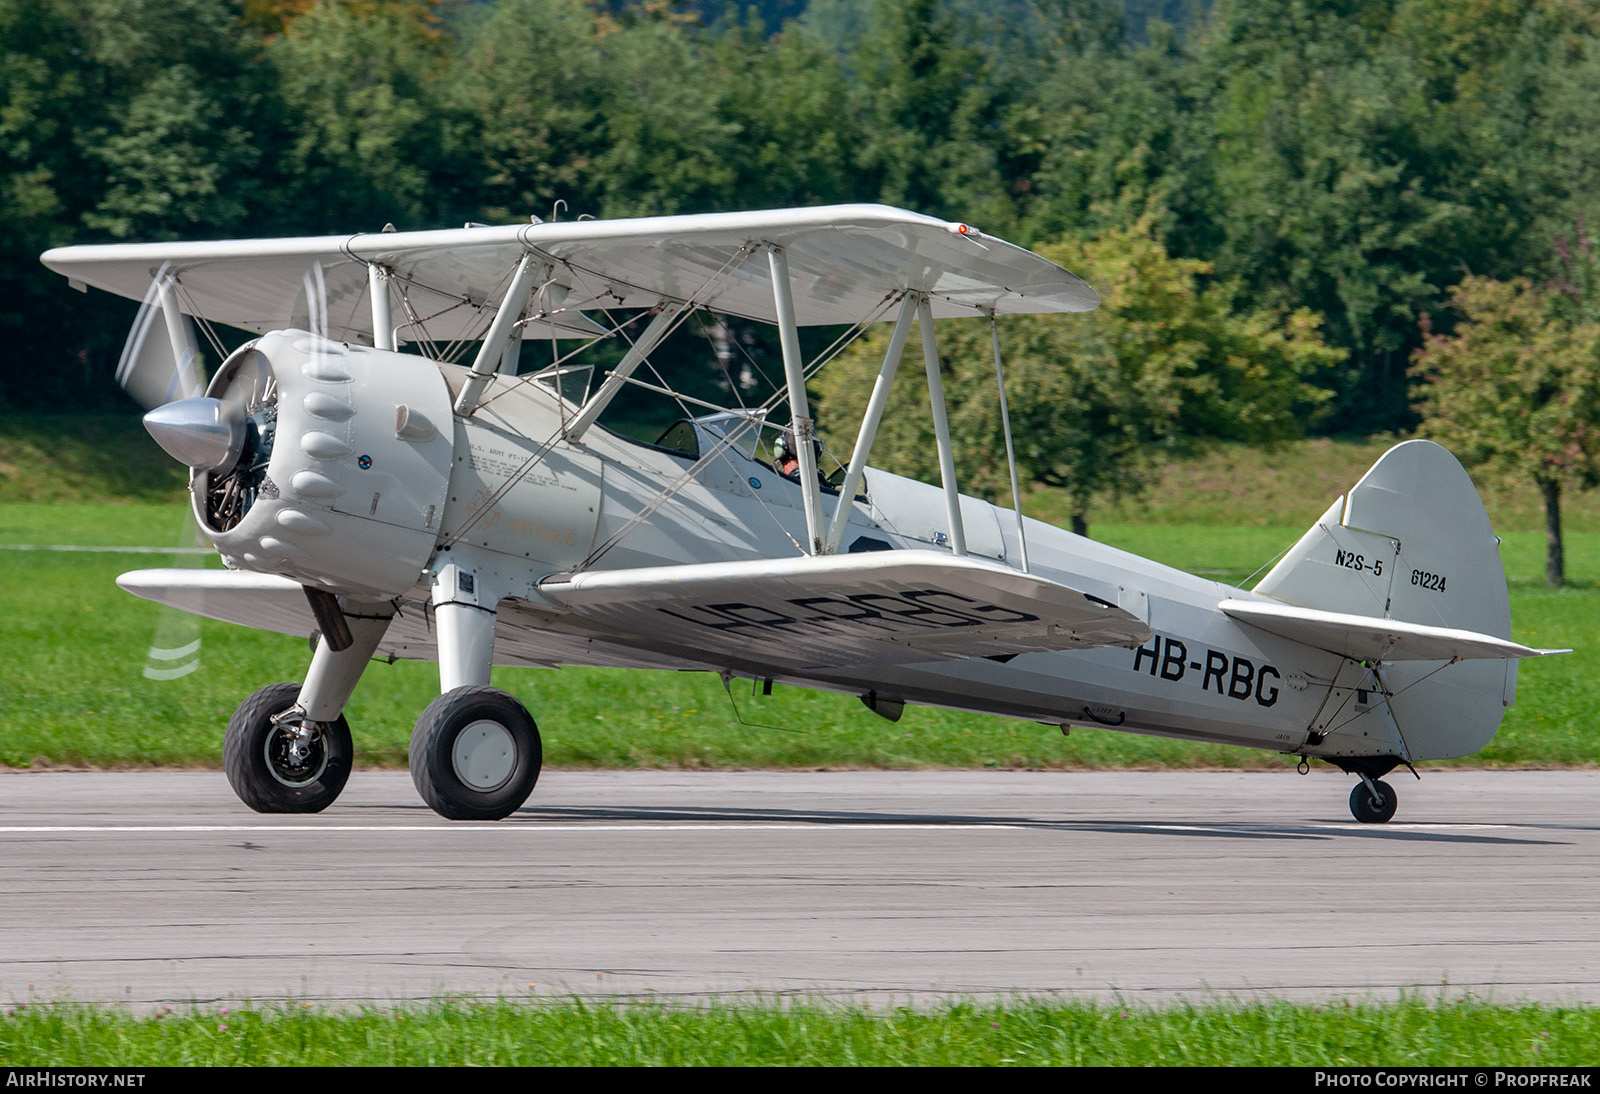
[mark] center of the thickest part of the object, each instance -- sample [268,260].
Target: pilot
[786,456]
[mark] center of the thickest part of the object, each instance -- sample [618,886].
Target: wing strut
[869,424]
[382,309]
[652,335]
[494,343]
[801,422]
[1011,452]
[941,428]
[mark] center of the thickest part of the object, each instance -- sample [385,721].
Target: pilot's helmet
[784,448]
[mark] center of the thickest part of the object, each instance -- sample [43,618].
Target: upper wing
[842,612]
[844,261]
[1367,638]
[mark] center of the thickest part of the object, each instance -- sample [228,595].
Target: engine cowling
[342,474]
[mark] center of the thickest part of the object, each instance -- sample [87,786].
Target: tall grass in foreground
[1410,1032]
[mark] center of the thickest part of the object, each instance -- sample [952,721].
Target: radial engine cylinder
[342,477]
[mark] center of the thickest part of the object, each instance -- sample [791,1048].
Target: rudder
[1412,541]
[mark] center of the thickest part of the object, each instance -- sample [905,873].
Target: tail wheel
[1374,804]
[475,754]
[284,769]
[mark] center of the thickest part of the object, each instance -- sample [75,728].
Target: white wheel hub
[484,755]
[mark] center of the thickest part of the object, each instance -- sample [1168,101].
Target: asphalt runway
[159,888]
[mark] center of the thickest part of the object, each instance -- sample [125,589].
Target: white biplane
[397,505]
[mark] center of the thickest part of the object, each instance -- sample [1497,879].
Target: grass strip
[1024,1032]
[74,646]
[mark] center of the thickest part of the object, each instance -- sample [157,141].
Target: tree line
[1338,173]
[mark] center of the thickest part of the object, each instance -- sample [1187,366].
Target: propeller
[161,360]
[161,370]
[175,648]
[224,438]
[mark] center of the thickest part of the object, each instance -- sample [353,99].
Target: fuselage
[599,503]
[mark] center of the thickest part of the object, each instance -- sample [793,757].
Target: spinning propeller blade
[161,360]
[175,649]
[161,369]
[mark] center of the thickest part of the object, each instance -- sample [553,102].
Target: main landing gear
[280,764]
[475,752]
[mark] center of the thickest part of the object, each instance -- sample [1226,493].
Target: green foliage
[1511,388]
[1516,389]
[927,97]
[1107,136]
[1352,158]
[360,96]
[1096,400]
[793,145]
[529,101]
[669,148]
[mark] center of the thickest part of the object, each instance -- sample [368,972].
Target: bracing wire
[758,415]
[838,346]
[210,332]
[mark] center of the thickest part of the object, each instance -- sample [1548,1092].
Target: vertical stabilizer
[1412,542]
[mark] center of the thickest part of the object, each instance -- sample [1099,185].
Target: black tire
[475,754]
[1368,810]
[254,754]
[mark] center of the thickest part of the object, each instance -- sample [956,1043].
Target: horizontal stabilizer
[881,608]
[1368,638]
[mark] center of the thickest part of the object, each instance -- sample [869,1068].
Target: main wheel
[1370,810]
[475,754]
[266,769]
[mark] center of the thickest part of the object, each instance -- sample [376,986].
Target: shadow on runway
[745,815]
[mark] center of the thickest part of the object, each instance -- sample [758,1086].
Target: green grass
[83,458]
[93,524]
[74,647]
[1237,485]
[1410,1033]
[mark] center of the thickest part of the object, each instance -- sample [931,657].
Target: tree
[360,94]
[929,104]
[119,119]
[1515,389]
[528,98]
[1096,400]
